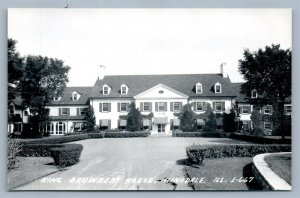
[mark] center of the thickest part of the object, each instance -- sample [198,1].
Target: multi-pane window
[161,106]
[218,88]
[218,106]
[198,88]
[287,109]
[60,127]
[267,125]
[254,94]
[245,110]
[105,107]
[105,90]
[50,128]
[123,106]
[82,111]
[123,90]
[146,106]
[176,106]
[199,106]
[64,111]
[267,110]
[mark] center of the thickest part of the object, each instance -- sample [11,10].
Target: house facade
[159,98]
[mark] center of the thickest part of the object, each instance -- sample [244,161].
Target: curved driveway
[118,163]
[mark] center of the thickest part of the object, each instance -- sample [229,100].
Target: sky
[147,41]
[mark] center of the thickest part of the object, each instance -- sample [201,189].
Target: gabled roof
[66,98]
[184,83]
[239,96]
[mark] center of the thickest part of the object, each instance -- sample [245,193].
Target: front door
[161,128]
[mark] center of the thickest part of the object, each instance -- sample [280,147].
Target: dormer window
[124,89]
[198,88]
[75,95]
[56,98]
[218,88]
[254,94]
[106,89]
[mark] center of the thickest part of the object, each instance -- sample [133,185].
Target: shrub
[197,153]
[187,117]
[126,134]
[95,135]
[134,118]
[56,139]
[260,139]
[14,148]
[38,150]
[195,134]
[67,155]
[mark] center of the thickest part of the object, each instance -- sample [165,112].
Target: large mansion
[161,95]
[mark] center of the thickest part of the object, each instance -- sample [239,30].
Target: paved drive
[110,164]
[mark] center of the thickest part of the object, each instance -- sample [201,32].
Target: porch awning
[146,122]
[123,123]
[200,122]
[176,122]
[104,123]
[219,121]
[160,120]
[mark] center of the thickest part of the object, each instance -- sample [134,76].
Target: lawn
[224,174]
[281,165]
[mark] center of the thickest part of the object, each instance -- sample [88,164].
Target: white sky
[147,41]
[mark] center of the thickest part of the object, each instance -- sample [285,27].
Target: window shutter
[119,120]
[214,106]
[59,111]
[77,111]
[223,106]
[171,124]
[150,108]
[271,125]
[204,106]
[141,106]
[156,106]
[166,106]
[127,106]
[119,107]
[249,109]
[171,106]
[99,123]
[193,105]
[109,107]
[100,107]
[109,122]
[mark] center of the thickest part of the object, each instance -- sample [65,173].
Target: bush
[197,153]
[14,148]
[95,135]
[126,134]
[67,155]
[38,150]
[195,134]
[260,139]
[56,139]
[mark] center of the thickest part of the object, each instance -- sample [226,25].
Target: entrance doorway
[161,128]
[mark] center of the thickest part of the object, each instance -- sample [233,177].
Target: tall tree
[90,120]
[187,118]
[15,69]
[268,71]
[43,79]
[134,118]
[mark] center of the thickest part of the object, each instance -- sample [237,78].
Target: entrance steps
[160,135]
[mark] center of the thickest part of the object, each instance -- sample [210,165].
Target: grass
[281,165]
[30,169]
[227,168]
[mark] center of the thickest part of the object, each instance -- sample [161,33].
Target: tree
[256,118]
[43,79]
[15,69]
[134,118]
[90,120]
[187,118]
[210,124]
[229,121]
[268,72]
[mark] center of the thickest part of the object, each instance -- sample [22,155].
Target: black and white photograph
[149,99]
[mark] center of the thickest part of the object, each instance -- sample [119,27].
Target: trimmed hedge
[56,139]
[38,150]
[67,155]
[197,153]
[260,139]
[95,135]
[195,134]
[126,134]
